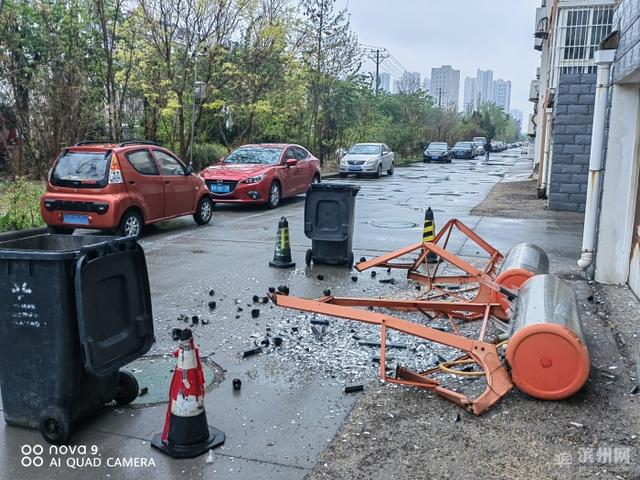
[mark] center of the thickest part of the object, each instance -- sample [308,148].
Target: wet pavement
[291,404]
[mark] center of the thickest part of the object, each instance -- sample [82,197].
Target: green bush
[20,205]
[205,154]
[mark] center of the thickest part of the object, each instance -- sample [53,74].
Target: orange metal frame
[480,280]
[483,352]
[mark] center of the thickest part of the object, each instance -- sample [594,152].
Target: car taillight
[115,174]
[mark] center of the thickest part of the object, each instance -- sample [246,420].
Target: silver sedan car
[368,158]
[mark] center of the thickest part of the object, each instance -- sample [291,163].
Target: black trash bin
[75,308]
[329,216]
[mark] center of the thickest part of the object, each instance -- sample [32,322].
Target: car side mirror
[188,170]
[291,162]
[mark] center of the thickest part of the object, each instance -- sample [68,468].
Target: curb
[17,234]
[337,175]
[330,175]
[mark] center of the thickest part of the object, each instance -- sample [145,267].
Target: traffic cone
[429,233]
[186,433]
[282,253]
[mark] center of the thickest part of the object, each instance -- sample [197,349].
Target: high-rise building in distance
[409,83]
[469,101]
[502,94]
[384,81]
[445,86]
[484,87]
[426,84]
[517,115]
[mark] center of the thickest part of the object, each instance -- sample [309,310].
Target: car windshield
[81,169]
[462,145]
[255,155]
[363,149]
[438,146]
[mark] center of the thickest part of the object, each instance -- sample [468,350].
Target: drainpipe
[603,59]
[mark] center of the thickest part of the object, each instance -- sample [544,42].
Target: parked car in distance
[479,143]
[262,174]
[463,150]
[368,158]
[498,146]
[438,152]
[121,187]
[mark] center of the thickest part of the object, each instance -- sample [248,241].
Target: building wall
[628,54]
[573,120]
[619,186]
[618,244]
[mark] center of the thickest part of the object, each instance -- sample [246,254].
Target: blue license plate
[220,188]
[355,168]
[435,157]
[75,219]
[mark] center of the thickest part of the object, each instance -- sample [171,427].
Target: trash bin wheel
[127,388]
[55,425]
[308,257]
[351,259]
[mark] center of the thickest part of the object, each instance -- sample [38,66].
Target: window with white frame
[579,31]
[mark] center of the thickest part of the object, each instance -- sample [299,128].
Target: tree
[181,33]
[118,44]
[47,60]
[331,53]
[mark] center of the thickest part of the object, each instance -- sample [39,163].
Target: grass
[20,204]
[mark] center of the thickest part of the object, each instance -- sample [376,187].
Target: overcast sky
[467,34]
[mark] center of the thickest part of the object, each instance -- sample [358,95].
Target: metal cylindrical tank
[547,352]
[523,261]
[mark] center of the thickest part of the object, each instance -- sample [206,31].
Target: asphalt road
[291,403]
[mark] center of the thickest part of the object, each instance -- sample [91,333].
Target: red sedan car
[262,174]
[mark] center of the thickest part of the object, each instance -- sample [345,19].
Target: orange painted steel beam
[455,309]
[485,354]
[487,290]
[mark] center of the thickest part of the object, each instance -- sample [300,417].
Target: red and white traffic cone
[186,433]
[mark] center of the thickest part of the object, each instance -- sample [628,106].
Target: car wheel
[60,230]
[342,175]
[379,171]
[390,171]
[130,225]
[204,212]
[275,194]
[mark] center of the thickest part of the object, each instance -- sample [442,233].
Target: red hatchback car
[121,187]
[262,174]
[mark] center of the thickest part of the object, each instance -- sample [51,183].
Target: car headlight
[256,179]
[370,162]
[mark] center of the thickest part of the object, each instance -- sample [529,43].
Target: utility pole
[378,58]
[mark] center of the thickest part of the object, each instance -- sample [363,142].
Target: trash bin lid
[336,187]
[54,247]
[113,304]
